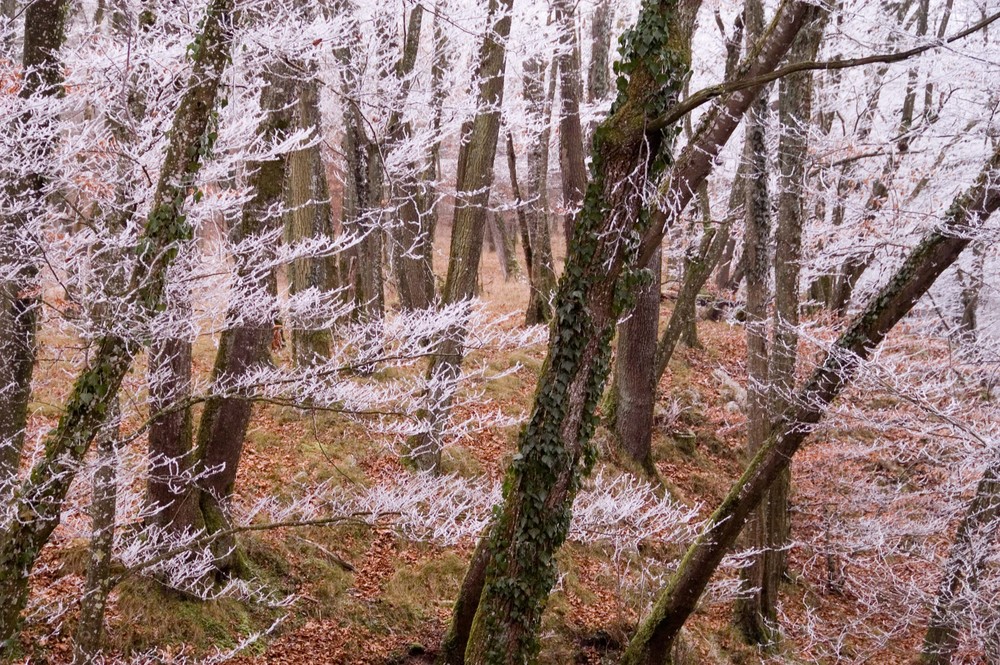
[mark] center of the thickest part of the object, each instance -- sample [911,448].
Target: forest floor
[369,595]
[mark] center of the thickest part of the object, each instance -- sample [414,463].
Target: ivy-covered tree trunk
[654,640]
[554,447]
[571,156]
[39,499]
[244,345]
[474,181]
[309,216]
[542,278]
[90,625]
[44,34]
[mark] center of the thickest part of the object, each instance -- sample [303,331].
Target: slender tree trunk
[655,638]
[542,274]
[599,72]
[505,249]
[971,284]
[309,217]
[41,495]
[571,156]
[755,614]
[966,562]
[44,34]
[474,181]
[90,626]
[555,445]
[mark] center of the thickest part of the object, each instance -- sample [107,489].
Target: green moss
[415,592]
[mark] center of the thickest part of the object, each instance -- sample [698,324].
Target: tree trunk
[755,612]
[309,217]
[42,494]
[542,273]
[90,626]
[170,434]
[971,284]
[633,390]
[505,249]
[571,157]
[655,638]
[244,344]
[474,181]
[599,72]
[44,34]
[966,561]
[554,446]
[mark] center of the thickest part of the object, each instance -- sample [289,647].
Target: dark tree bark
[755,613]
[90,626]
[412,245]
[41,495]
[571,157]
[971,284]
[474,182]
[44,34]
[654,641]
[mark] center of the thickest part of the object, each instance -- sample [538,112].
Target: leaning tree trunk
[571,156]
[90,625]
[555,447]
[474,181]
[44,34]
[653,642]
[244,344]
[966,562]
[41,496]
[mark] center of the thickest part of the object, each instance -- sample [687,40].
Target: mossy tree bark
[39,499]
[554,447]
[474,181]
[599,71]
[44,34]
[655,638]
